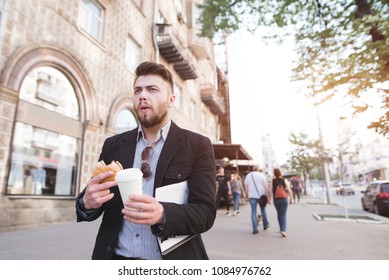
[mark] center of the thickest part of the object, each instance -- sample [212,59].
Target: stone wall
[20,213]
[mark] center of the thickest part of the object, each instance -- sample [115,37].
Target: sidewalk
[230,237]
[308,238]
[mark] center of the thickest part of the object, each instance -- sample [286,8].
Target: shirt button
[137,235]
[109,249]
[179,176]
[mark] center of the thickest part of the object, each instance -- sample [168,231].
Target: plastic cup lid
[129,174]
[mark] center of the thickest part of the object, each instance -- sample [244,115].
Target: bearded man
[166,154]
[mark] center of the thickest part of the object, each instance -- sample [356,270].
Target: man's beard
[154,120]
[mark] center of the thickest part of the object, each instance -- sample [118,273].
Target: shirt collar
[162,133]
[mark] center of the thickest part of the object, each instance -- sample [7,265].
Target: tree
[307,154]
[342,45]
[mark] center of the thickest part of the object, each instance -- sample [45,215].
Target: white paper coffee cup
[129,182]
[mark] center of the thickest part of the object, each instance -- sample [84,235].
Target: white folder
[176,193]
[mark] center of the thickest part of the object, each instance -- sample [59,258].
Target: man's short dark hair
[153,68]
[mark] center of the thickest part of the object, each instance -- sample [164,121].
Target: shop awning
[231,151]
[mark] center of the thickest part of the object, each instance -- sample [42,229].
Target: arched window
[46,138]
[125,121]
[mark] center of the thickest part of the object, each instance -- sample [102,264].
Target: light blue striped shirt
[137,240]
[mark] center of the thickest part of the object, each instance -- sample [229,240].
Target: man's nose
[142,93]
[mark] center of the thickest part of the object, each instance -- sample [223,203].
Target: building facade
[361,154]
[67,70]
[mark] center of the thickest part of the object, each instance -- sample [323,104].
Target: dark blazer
[185,156]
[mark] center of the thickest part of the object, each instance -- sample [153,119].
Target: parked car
[376,197]
[345,189]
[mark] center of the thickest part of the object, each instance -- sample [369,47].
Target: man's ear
[172,99]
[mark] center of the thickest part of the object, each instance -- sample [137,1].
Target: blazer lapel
[127,145]
[170,148]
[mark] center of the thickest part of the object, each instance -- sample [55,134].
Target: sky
[262,98]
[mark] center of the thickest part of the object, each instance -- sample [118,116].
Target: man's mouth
[144,108]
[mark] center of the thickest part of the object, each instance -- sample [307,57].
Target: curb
[349,220]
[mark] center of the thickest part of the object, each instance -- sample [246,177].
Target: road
[351,201]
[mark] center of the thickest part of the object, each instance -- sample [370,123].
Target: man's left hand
[143,209]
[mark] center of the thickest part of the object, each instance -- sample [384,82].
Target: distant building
[362,154]
[269,157]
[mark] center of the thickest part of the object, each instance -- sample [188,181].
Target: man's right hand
[96,194]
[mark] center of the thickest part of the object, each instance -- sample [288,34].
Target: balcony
[171,50]
[185,70]
[212,99]
[201,47]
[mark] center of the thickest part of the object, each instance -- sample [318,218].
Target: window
[385,187]
[203,120]
[160,18]
[43,162]
[125,121]
[196,16]
[138,3]
[181,15]
[192,110]
[1,26]
[178,94]
[47,135]
[90,18]
[133,54]
[179,6]
[50,89]
[212,126]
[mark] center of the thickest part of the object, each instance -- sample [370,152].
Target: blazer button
[179,176]
[109,249]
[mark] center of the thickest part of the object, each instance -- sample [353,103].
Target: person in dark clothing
[166,154]
[295,189]
[223,187]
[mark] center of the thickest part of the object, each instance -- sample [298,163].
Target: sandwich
[101,167]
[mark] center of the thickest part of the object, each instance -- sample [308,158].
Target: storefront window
[125,121]
[46,138]
[43,162]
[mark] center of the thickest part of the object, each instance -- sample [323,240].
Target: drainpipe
[154,31]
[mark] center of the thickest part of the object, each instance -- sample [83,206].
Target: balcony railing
[212,99]
[171,50]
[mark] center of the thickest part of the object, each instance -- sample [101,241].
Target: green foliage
[307,154]
[226,16]
[342,46]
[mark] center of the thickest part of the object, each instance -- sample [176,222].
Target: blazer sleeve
[81,212]
[196,163]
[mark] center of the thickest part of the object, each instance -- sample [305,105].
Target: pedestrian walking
[295,189]
[237,191]
[257,190]
[281,191]
[223,187]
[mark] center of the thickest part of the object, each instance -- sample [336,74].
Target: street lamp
[323,159]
